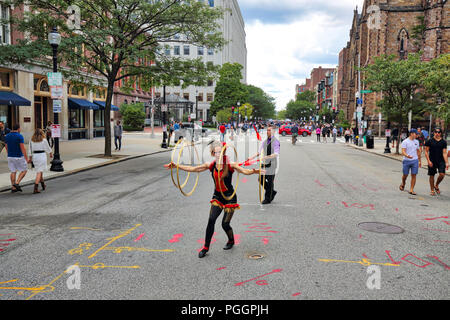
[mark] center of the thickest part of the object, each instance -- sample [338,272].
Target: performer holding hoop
[224,197]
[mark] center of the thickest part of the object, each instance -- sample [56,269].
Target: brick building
[388,31]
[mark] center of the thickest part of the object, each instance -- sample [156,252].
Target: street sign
[54,79]
[193,116]
[388,132]
[357,94]
[359,109]
[57,106]
[56,130]
[164,108]
[379,117]
[56,92]
[359,101]
[366,91]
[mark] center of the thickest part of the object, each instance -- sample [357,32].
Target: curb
[389,157]
[95,166]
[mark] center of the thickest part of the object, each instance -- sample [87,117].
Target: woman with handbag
[38,149]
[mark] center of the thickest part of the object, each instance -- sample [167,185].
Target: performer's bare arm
[199,168]
[247,172]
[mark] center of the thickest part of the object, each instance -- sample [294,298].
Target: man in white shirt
[411,160]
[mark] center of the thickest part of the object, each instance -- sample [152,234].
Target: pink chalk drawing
[176,238]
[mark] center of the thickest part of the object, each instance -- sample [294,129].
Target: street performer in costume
[222,174]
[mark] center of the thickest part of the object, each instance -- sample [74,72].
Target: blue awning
[102,104]
[81,104]
[12,99]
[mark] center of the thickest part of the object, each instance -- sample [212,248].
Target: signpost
[57,106]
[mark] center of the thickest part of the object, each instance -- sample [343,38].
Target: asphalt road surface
[132,235]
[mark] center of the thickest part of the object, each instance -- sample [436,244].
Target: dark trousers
[268,186]
[120,142]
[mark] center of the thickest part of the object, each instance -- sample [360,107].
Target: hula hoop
[263,181]
[178,173]
[221,179]
[171,169]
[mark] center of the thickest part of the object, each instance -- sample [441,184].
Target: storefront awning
[102,104]
[82,104]
[12,99]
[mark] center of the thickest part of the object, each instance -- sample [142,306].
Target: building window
[186,96]
[200,96]
[186,50]
[100,94]
[41,87]
[99,118]
[76,91]
[210,83]
[210,52]
[167,51]
[5,27]
[77,118]
[209,97]
[176,50]
[6,80]
[200,51]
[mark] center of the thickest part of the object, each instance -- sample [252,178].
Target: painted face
[216,153]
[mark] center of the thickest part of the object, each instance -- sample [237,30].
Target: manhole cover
[380,227]
[255,256]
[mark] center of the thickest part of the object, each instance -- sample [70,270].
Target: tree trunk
[107,117]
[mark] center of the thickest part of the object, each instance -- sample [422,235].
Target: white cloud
[282,55]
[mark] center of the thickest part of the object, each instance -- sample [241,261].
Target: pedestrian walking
[38,149]
[437,158]
[3,132]
[411,160]
[222,130]
[17,157]
[334,134]
[318,132]
[394,137]
[348,135]
[324,133]
[118,131]
[48,134]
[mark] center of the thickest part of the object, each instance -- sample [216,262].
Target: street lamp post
[164,143]
[54,38]
[238,117]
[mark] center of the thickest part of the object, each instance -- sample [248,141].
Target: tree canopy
[116,40]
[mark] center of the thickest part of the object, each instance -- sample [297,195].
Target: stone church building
[386,27]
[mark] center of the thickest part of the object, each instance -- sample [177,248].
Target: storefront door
[41,114]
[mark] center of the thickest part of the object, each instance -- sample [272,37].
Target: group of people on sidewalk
[326,130]
[18,158]
[436,155]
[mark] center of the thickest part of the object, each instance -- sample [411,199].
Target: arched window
[41,87]
[402,39]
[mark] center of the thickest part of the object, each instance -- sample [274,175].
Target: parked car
[286,130]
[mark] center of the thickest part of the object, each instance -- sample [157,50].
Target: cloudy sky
[286,39]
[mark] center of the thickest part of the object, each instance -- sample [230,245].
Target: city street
[133,235]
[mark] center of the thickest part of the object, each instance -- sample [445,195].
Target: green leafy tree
[263,104]
[224,115]
[246,110]
[133,116]
[299,109]
[342,120]
[308,95]
[436,81]
[229,88]
[116,40]
[282,114]
[327,113]
[399,80]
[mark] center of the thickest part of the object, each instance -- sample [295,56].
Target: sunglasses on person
[438,131]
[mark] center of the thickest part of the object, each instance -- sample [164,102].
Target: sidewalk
[380,144]
[80,155]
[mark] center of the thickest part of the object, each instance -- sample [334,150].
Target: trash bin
[370,142]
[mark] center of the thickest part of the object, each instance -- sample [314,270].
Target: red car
[286,130]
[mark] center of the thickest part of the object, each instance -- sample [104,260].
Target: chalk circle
[380,227]
[262,283]
[221,164]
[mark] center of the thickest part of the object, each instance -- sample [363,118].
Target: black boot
[229,245]
[43,184]
[202,253]
[36,190]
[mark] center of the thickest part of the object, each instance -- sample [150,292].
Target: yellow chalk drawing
[111,240]
[39,289]
[9,281]
[102,266]
[84,228]
[120,249]
[81,248]
[364,262]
